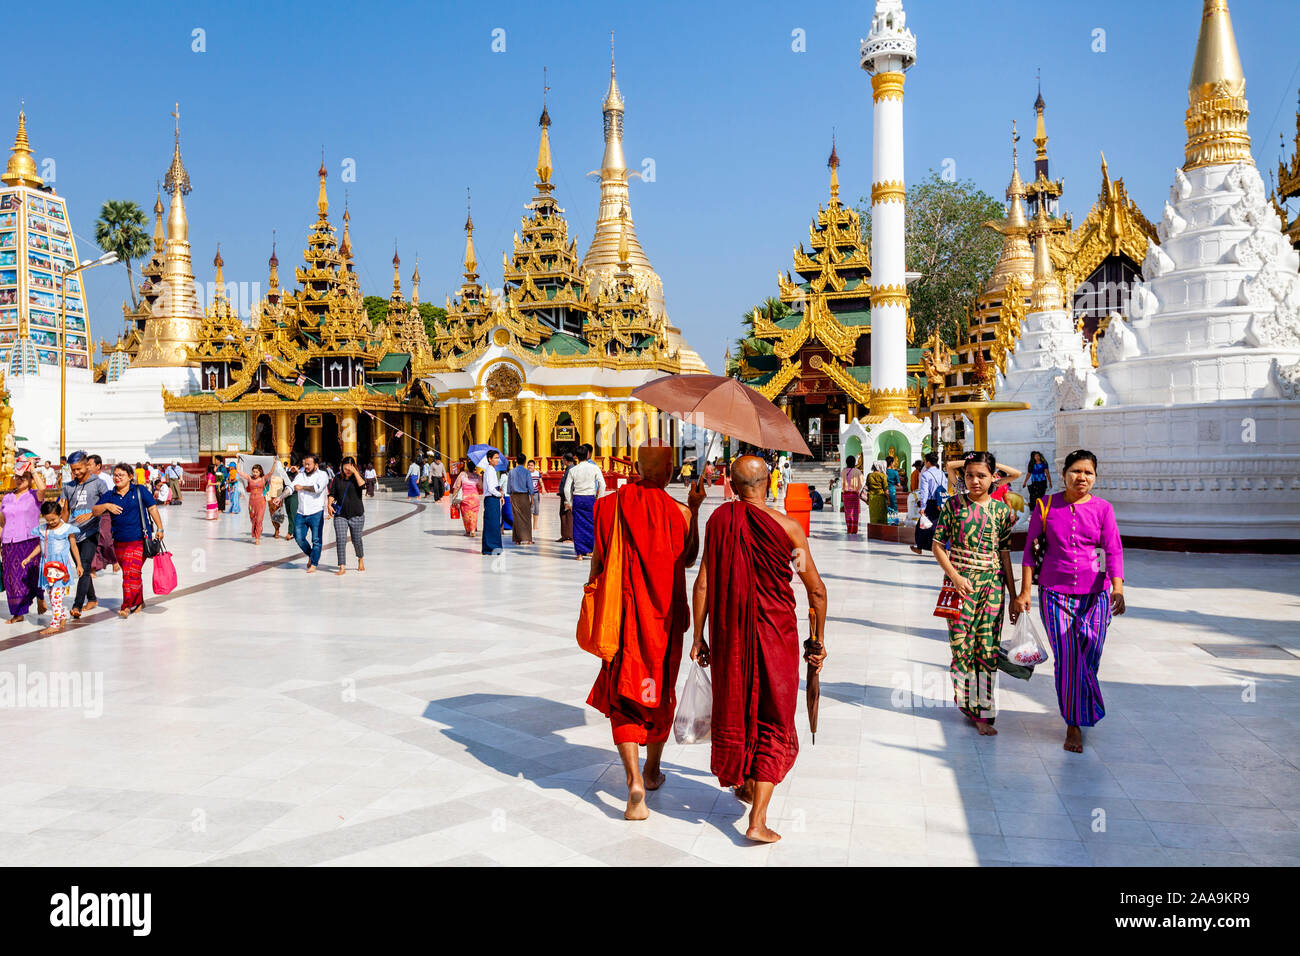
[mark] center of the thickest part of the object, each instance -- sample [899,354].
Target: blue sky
[737,123]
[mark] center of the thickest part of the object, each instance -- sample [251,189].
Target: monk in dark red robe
[637,689]
[743,591]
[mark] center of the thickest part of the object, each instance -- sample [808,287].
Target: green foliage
[435,319]
[949,245]
[120,229]
[376,307]
[772,309]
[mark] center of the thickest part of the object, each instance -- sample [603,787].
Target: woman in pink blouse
[1076,597]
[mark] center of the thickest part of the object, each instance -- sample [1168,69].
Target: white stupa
[1199,434]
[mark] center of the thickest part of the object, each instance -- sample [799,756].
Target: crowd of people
[639,541]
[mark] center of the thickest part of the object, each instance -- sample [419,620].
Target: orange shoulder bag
[600,620]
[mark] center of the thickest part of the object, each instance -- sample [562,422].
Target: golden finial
[322,201]
[159,236]
[1216,95]
[274,264]
[415,282]
[613,99]
[1016,189]
[544,147]
[345,243]
[177,179]
[1040,128]
[21,170]
[471,262]
[218,261]
[397,277]
[833,164]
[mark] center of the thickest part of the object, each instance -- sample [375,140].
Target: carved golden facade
[1094,266]
[309,372]
[819,364]
[559,328]
[1288,188]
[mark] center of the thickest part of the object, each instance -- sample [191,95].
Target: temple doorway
[263,436]
[564,436]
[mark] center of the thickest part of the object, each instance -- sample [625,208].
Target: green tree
[120,229]
[772,309]
[376,307]
[949,244]
[435,319]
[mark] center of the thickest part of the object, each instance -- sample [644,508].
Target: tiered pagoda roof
[313,343]
[1288,188]
[554,311]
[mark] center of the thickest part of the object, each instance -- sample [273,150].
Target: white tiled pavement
[431,711]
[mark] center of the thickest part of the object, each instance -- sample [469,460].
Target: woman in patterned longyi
[972,543]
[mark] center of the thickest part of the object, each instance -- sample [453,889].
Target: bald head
[749,476]
[656,463]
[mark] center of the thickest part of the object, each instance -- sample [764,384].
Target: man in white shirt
[584,485]
[413,480]
[311,485]
[173,474]
[438,479]
[492,496]
[371,478]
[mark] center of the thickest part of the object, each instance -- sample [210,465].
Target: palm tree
[120,229]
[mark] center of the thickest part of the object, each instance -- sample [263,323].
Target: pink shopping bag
[164,573]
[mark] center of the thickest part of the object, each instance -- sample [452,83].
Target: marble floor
[431,711]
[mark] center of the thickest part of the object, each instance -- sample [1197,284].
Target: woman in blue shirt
[128,503]
[1038,478]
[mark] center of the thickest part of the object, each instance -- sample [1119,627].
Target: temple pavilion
[1288,188]
[310,373]
[552,361]
[1096,265]
[819,368]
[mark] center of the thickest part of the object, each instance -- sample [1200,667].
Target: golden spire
[544,168]
[397,275]
[833,164]
[1216,95]
[273,283]
[622,240]
[1016,189]
[1040,128]
[177,179]
[613,164]
[159,236]
[471,263]
[21,170]
[415,283]
[219,301]
[345,244]
[322,201]
[1046,295]
[613,99]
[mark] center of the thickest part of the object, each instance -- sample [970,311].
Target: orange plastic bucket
[798,505]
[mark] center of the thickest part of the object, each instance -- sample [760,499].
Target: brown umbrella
[813,679]
[724,405]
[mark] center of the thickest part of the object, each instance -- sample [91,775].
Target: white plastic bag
[1025,645]
[694,721]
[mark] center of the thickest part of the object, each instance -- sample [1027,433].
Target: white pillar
[887,52]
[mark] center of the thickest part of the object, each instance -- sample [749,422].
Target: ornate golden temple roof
[1288,187]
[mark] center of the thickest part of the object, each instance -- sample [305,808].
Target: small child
[162,492]
[58,559]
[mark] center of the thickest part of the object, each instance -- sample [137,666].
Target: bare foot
[18,618]
[40,605]
[761,833]
[76,613]
[1074,740]
[341,571]
[123,613]
[361,565]
[311,569]
[636,808]
[986,729]
[89,606]
[654,779]
[745,794]
[52,629]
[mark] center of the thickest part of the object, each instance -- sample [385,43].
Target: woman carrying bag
[137,533]
[972,543]
[1075,597]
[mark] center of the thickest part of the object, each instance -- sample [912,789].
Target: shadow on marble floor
[519,736]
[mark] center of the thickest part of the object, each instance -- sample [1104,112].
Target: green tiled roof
[561,343]
[393,362]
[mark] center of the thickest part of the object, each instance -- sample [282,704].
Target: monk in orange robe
[637,689]
[743,591]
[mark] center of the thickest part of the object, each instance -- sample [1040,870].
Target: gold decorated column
[377,439]
[527,419]
[588,434]
[283,434]
[314,438]
[636,426]
[481,423]
[545,427]
[348,432]
[406,440]
[652,422]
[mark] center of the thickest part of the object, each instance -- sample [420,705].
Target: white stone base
[1227,471]
[122,421]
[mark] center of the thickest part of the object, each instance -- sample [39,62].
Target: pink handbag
[164,573]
